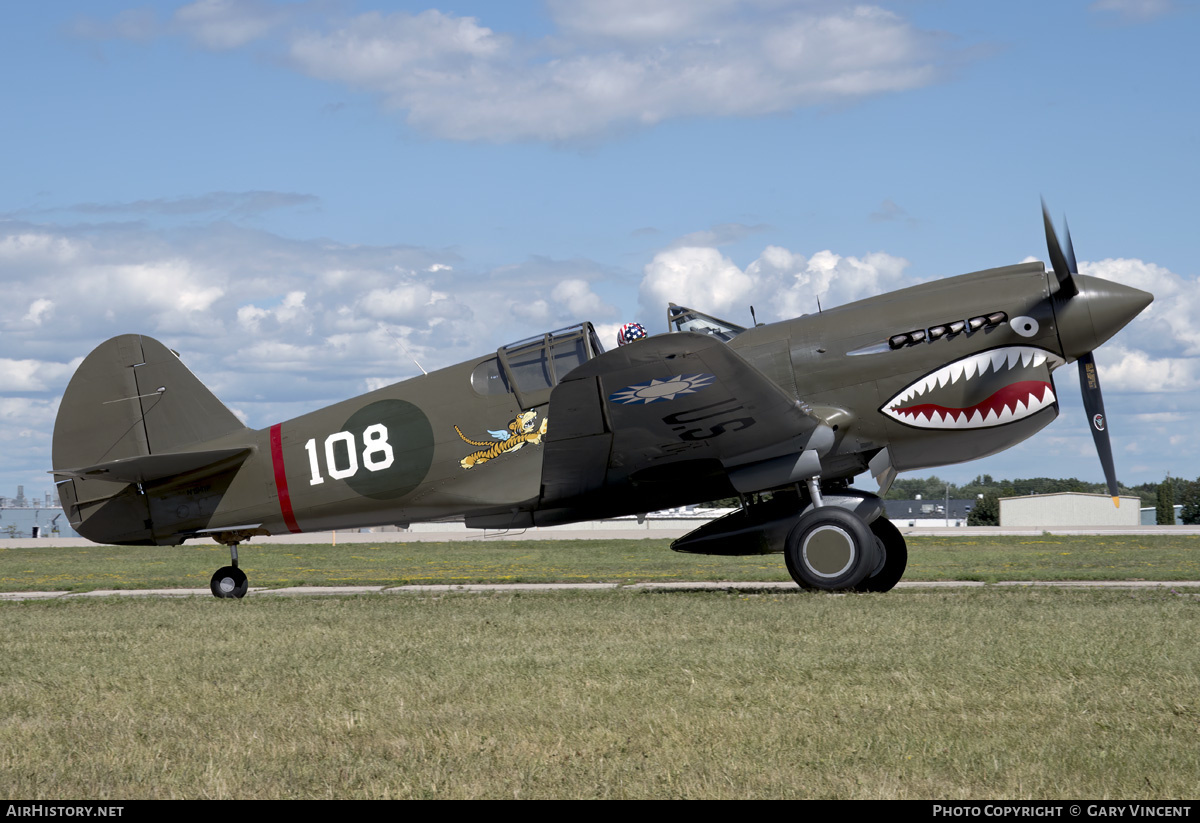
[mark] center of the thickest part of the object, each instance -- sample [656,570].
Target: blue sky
[276,190]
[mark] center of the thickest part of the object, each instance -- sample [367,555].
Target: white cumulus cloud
[1132,370]
[605,67]
[1169,323]
[227,24]
[780,284]
[577,298]
[30,375]
[38,310]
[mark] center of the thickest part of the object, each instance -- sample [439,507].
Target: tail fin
[131,410]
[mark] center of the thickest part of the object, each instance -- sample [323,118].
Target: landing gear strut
[229,581]
[833,538]
[833,548]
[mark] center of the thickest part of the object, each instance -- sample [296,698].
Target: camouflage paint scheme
[939,373]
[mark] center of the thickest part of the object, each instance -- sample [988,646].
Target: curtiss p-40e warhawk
[554,429]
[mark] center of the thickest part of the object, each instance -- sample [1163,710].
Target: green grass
[1055,557]
[1151,557]
[986,694]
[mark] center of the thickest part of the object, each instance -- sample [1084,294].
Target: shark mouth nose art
[987,389]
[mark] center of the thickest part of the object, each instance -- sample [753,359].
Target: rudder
[130,398]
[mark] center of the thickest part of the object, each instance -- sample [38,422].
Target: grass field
[991,559]
[986,693]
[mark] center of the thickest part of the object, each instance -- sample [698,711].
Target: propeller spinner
[1090,311]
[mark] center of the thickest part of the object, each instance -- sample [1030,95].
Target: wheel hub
[828,551]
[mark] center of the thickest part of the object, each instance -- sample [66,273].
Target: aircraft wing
[677,411]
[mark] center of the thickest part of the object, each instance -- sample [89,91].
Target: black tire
[830,549]
[229,581]
[894,559]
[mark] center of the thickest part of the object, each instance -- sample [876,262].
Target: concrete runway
[493,588]
[561,533]
[569,533]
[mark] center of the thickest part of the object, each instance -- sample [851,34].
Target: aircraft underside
[833,539]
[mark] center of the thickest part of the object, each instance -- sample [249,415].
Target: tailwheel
[229,581]
[892,561]
[830,549]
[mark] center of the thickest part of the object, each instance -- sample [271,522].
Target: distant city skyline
[47,500]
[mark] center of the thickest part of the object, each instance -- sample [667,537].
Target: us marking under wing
[666,400]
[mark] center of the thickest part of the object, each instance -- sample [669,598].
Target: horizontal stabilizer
[158,466]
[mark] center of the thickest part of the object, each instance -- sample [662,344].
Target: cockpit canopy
[681,318]
[531,367]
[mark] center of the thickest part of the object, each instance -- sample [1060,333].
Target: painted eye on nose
[1024,326]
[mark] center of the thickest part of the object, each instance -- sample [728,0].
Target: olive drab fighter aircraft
[553,429]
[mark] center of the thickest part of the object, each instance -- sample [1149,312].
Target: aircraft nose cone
[1101,309]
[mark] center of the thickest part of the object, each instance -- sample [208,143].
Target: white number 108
[377,454]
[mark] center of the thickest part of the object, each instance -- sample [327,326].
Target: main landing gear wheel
[830,549]
[893,557]
[229,581]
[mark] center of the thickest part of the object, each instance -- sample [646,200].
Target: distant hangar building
[925,513]
[1068,509]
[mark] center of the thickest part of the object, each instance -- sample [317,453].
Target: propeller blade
[1093,402]
[1063,271]
[1071,265]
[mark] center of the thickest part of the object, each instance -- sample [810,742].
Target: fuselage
[938,373]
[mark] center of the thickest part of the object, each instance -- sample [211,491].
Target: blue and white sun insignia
[666,389]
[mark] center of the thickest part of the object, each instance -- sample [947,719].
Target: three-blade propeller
[1065,269]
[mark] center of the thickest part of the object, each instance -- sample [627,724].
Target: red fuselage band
[281,486]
